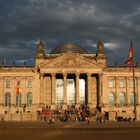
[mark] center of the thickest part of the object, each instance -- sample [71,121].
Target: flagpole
[130,61]
[134,85]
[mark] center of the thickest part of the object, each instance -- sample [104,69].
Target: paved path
[39,124]
[69,131]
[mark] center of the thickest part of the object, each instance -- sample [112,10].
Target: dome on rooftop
[68,48]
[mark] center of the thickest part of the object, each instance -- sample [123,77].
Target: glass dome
[68,48]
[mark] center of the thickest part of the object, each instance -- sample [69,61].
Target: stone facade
[109,89]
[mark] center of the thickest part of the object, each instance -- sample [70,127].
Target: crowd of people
[72,114]
[124,119]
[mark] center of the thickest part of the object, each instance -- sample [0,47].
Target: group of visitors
[124,119]
[72,114]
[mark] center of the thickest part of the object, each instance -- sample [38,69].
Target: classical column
[127,92]
[13,94]
[88,89]
[116,92]
[65,91]
[53,91]
[138,98]
[2,102]
[24,94]
[100,90]
[77,90]
[137,91]
[41,88]
[2,96]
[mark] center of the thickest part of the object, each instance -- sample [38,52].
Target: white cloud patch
[112,45]
[109,45]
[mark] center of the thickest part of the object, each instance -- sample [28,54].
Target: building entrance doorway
[71,95]
[82,91]
[70,89]
[59,92]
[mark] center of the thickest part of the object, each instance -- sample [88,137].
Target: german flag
[130,59]
[17,88]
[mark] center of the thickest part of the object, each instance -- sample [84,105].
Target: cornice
[120,69]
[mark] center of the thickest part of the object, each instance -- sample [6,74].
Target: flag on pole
[17,88]
[130,59]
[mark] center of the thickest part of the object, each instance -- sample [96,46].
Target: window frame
[29,99]
[111,83]
[110,103]
[122,83]
[124,102]
[7,84]
[18,100]
[7,101]
[29,84]
[131,101]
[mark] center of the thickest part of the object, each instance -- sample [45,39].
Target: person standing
[100,117]
[88,120]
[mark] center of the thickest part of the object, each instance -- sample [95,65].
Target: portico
[71,89]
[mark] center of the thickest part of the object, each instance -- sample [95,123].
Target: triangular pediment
[70,60]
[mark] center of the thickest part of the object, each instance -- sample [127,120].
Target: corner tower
[40,54]
[100,56]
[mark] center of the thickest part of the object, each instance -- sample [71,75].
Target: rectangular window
[111,83]
[8,84]
[29,84]
[122,84]
[131,84]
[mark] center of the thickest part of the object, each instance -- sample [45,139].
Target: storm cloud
[24,22]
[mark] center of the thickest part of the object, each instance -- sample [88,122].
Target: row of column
[65,89]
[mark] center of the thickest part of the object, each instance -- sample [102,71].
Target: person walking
[100,117]
[88,120]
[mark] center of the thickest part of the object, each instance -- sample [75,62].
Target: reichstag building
[69,76]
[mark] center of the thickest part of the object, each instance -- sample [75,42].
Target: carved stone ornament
[70,61]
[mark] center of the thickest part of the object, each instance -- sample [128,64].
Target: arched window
[122,99]
[131,99]
[7,99]
[111,99]
[18,99]
[29,99]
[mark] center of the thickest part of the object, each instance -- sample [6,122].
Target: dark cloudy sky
[24,22]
